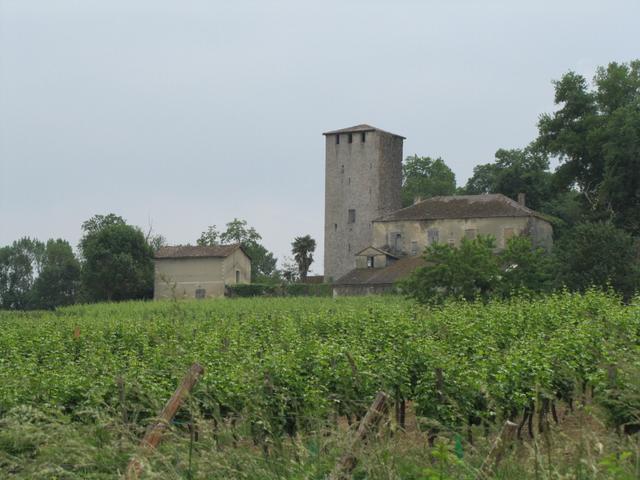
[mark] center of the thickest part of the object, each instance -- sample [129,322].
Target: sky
[179,114]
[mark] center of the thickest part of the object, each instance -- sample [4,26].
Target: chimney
[417,199]
[521,199]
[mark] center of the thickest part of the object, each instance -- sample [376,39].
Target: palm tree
[302,249]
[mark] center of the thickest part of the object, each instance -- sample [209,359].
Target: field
[287,380]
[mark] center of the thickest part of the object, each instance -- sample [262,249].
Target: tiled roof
[189,251]
[383,252]
[398,270]
[361,128]
[462,206]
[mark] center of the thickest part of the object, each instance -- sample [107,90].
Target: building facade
[363,180]
[401,237]
[199,272]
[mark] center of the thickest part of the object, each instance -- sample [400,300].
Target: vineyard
[280,370]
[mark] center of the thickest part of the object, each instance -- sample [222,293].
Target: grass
[39,444]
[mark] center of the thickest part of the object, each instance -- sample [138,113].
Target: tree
[117,260]
[468,271]
[59,280]
[524,268]
[425,177]
[302,249]
[263,263]
[597,254]
[20,263]
[596,135]
[209,238]
[514,171]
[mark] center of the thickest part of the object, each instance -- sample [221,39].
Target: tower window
[338,139]
[352,216]
[335,227]
[351,138]
[362,135]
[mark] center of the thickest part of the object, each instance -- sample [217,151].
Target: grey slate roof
[361,128]
[462,206]
[398,270]
[189,251]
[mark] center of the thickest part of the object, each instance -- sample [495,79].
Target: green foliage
[251,290]
[20,263]
[513,172]
[279,290]
[596,135]
[597,254]
[468,271]
[474,270]
[302,249]
[524,268]
[290,366]
[263,263]
[59,281]
[425,177]
[117,260]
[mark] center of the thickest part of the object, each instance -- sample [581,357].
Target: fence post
[155,431]
[507,434]
[372,418]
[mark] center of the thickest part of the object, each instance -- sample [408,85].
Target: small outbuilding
[198,271]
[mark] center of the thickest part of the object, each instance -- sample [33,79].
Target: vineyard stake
[372,418]
[507,434]
[155,431]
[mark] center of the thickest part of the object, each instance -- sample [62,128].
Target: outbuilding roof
[462,206]
[361,128]
[190,251]
[398,270]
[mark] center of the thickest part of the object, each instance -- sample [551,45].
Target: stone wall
[366,178]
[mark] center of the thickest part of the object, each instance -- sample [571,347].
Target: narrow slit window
[352,216]
[337,139]
[362,135]
[351,138]
[237,276]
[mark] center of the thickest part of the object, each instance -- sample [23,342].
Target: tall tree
[302,249]
[597,254]
[263,263]
[117,260]
[596,135]
[59,280]
[20,263]
[514,171]
[426,177]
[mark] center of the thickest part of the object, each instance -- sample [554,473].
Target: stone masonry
[363,179]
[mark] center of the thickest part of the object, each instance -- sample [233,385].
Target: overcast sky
[189,113]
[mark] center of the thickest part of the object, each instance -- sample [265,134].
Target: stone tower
[363,177]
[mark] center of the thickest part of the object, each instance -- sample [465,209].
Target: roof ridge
[363,127]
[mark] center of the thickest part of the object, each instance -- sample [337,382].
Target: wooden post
[348,462]
[155,431]
[507,434]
